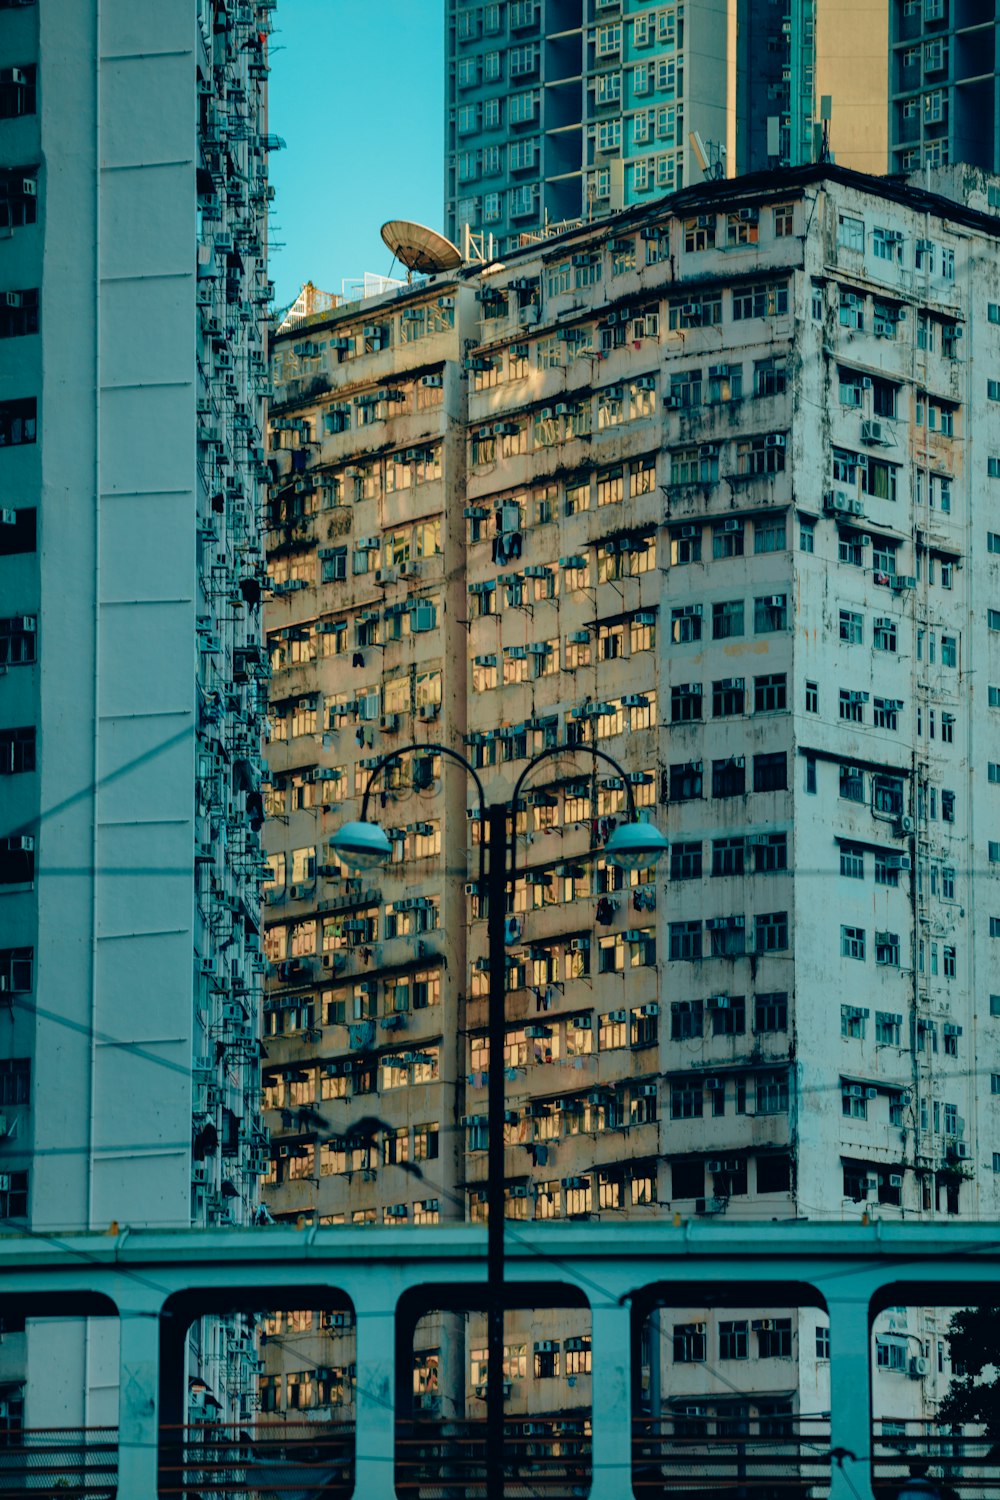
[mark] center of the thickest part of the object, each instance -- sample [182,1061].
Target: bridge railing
[748,1455]
[265,1458]
[43,1461]
[962,1463]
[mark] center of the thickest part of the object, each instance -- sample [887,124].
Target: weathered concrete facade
[708,486]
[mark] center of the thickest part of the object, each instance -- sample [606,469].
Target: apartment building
[132,375]
[943,84]
[708,486]
[556,112]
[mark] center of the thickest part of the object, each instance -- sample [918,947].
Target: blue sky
[356,92]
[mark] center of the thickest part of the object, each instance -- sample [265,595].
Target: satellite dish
[420,248]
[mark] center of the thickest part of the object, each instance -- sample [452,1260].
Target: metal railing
[754,1457]
[42,1461]
[544,1456]
[958,1462]
[268,1458]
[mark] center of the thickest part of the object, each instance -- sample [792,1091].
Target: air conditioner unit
[710,1205]
[429,711]
[905,825]
[836,502]
[895,1180]
[961,1150]
[389,723]
[872,432]
[581,945]
[714,1165]
[919,1367]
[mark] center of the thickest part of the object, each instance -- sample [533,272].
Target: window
[851,233]
[852,706]
[852,942]
[17,751]
[18,422]
[728,856]
[884,634]
[770,613]
[807,536]
[685,624]
[887,949]
[852,627]
[769,376]
[729,1018]
[685,703]
[770,693]
[729,777]
[760,300]
[18,93]
[727,619]
[727,539]
[16,968]
[686,781]
[19,314]
[812,697]
[771,932]
[728,697]
[769,536]
[734,1340]
[17,640]
[852,862]
[784,220]
[685,941]
[852,310]
[686,1020]
[774,1340]
[885,713]
[687,1100]
[770,1012]
[823,1343]
[771,1093]
[888,1028]
[14,1195]
[685,861]
[689,1343]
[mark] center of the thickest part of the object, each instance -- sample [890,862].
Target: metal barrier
[548,1457]
[77,1461]
[297,1459]
[966,1464]
[755,1456]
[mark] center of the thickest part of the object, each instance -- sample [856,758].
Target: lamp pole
[634,846]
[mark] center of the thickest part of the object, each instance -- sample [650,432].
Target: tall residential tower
[133,175]
[557,112]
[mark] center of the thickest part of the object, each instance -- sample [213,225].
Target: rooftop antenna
[710,157]
[419,248]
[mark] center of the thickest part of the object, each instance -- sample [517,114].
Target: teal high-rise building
[563,110]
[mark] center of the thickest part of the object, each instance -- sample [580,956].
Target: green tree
[974,1393]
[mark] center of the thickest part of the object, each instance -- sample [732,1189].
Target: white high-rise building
[133,284]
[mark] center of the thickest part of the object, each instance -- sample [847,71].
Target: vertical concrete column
[850,1394]
[611,1417]
[138,1393]
[375,1400]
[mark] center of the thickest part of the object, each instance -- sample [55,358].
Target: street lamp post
[632,845]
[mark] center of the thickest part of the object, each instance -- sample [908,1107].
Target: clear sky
[357,94]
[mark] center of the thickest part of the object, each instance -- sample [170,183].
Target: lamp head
[361,846]
[635,846]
